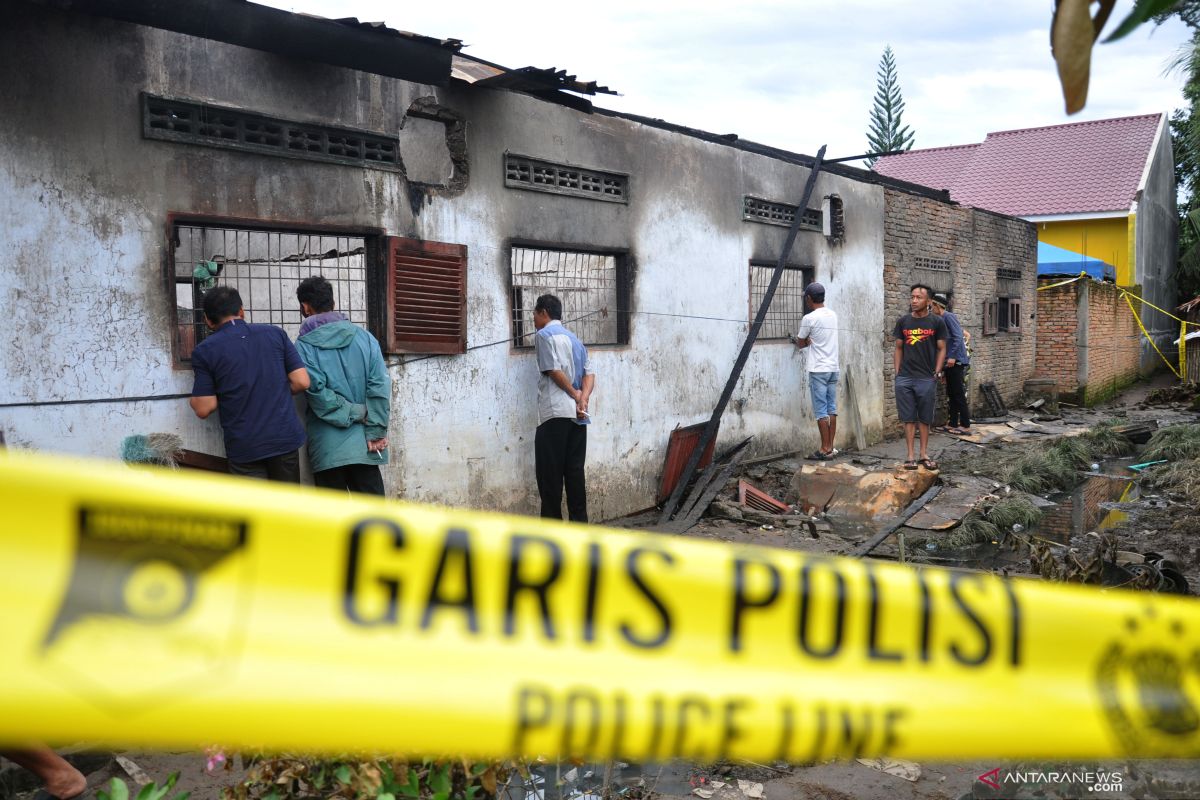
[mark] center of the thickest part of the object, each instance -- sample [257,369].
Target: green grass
[988,524]
[1176,443]
[1178,479]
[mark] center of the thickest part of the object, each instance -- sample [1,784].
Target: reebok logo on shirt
[915,336]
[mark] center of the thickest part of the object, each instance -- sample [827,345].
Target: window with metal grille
[427,293]
[265,266]
[787,306]
[522,172]
[755,209]
[215,126]
[932,264]
[594,288]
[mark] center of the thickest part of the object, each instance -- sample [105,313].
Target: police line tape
[144,607]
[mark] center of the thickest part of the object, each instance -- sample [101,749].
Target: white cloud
[797,75]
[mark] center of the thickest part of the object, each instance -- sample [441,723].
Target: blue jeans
[822,386]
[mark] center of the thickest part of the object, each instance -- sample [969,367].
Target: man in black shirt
[918,359]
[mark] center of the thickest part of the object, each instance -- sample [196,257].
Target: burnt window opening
[266,266]
[594,287]
[756,209]
[192,122]
[834,219]
[427,294]
[787,305]
[522,172]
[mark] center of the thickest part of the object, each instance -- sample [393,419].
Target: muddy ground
[1148,523]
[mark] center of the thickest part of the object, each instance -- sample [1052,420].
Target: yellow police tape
[150,608]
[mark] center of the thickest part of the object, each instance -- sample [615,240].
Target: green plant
[287,777]
[885,132]
[117,790]
[1176,443]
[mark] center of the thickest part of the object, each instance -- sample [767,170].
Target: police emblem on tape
[166,585]
[1150,688]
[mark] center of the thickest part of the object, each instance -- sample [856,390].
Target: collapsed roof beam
[282,33]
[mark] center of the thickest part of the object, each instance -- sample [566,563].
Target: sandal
[929,464]
[943,429]
[910,465]
[816,455]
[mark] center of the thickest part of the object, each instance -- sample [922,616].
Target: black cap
[941,299]
[814,289]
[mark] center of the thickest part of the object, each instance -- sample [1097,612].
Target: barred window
[265,266]
[787,306]
[593,287]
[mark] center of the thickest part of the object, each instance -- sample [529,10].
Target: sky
[799,74]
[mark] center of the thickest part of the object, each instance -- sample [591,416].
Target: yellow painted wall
[1110,240]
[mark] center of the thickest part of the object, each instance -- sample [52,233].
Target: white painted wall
[85,202]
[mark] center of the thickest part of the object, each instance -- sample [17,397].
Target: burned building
[150,152]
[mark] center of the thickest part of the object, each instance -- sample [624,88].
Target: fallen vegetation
[990,522]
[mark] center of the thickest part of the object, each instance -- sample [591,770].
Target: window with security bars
[427,297]
[265,266]
[521,172]
[787,306]
[755,209]
[593,288]
[215,126]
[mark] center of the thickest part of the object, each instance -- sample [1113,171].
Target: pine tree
[885,133]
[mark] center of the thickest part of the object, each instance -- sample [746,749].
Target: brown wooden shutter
[1014,315]
[991,316]
[427,297]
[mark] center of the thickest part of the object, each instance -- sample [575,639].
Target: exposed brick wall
[1113,343]
[976,243]
[1110,346]
[1057,335]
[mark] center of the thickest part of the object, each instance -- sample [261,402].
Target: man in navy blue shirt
[250,373]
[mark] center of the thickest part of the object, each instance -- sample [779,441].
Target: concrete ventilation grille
[213,126]
[755,209]
[544,176]
[932,264]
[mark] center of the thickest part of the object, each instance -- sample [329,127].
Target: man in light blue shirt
[564,389]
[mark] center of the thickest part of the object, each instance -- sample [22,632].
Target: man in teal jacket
[349,396]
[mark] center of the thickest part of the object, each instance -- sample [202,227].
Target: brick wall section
[976,243]
[1114,343]
[1112,352]
[1057,335]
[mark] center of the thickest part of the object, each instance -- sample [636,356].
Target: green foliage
[885,132]
[1143,11]
[117,790]
[1105,440]
[292,777]
[1176,443]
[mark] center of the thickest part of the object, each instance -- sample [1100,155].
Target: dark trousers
[956,397]
[284,468]
[361,478]
[559,449]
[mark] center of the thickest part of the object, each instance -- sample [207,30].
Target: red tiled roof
[1075,168]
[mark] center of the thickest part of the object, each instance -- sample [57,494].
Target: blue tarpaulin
[1059,261]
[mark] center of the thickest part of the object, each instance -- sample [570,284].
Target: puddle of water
[1086,507]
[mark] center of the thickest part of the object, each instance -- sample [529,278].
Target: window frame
[991,316]
[808,275]
[375,263]
[624,286]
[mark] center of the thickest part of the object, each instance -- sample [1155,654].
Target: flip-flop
[943,429]
[910,465]
[929,464]
[816,455]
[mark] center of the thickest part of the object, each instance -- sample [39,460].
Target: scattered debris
[909,770]
[991,396]
[758,499]
[854,493]
[136,773]
[706,487]
[157,448]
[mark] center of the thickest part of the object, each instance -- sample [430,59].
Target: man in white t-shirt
[818,336]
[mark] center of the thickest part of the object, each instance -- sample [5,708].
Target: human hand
[581,407]
[950,362]
[377,445]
